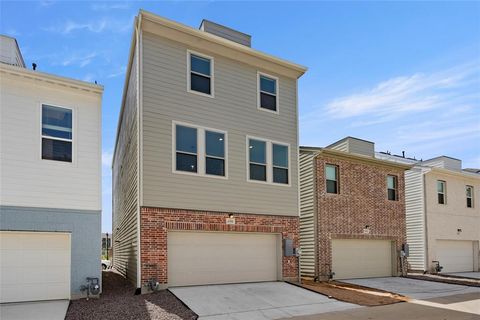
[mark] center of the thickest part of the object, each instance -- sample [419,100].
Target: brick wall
[155,223]
[362,201]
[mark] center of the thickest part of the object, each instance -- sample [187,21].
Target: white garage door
[352,258]
[455,255]
[34,266]
[196,258]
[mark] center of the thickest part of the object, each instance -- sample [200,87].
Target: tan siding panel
[234,109]
[125,187]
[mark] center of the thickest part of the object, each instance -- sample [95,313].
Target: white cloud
[12,32]
[107,156]
[393,98]
[46,3]
[81,60]
[95,26]
[89,77]
[120,71]
[109,6]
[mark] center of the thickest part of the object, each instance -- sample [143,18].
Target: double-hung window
[258,160]
[268,161]
[199,150]
[331,177]
[392,188]
[469,191]
[267,92]
[200,74]
[441,192]
[57,133]
[214,153]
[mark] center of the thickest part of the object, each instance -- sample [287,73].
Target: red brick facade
[156,222]
[361,201]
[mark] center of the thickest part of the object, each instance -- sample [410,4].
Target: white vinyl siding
[415,218]
[307,214]
[234,109]
[48,184]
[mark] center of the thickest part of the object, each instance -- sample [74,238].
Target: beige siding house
[443,216]
[206,155]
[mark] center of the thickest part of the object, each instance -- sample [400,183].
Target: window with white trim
[199,150]
[200,73]
[392,183]
[331,178]
[57,133]
[267,92]
[268,161]
[469,192]
[441,192]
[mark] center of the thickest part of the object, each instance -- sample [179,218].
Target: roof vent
[226,33]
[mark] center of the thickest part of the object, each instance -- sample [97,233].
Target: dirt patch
[444,278]
[118,301]
[352,293]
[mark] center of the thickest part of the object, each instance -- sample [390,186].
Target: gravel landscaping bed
[118,301]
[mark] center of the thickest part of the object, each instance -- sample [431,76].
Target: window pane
[186,162]
[215,144]
[186,139]
[200,83]
[441,198]
[258,172]
[280,175]
[331,186]
[56,122]
[268,101]
[200,65]
[469,202]
[440,186]
[215,166]
[469,191]
[331,172]
[392,194]
[56,150]
[391,183]
[280,156]
[257,151]
[268,85]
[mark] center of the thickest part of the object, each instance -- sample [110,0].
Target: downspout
[425,220]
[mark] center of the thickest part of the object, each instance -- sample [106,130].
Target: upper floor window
[57,133]
[267,92]
[392,187]
[199,150]
[331,176]
[268,161]
[200,73]
[280,163]
[441,192]
[469,191]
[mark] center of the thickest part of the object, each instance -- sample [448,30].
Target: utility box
[288,250]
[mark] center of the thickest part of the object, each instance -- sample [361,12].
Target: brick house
[205,168]
[352,212]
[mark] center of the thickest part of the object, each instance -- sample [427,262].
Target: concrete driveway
[39,310]
[474,275]
[416,289]
[255,301]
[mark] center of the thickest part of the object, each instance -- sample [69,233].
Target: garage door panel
[34,266]
[455,255]
[196,258]
[354,258]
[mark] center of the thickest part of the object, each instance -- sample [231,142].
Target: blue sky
[405,75]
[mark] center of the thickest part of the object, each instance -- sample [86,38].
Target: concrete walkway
[416,289]
[255,301]
[475,275]
[39,310]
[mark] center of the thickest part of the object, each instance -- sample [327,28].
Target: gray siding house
[205,164]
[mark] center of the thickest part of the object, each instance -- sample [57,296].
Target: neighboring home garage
[197,258]
[34,266]
[355,258]
[352,212]
[455,255]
